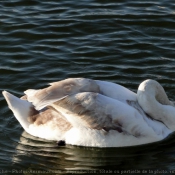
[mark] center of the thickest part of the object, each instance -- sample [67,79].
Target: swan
[94,113]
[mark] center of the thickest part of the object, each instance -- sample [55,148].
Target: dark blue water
[124,42]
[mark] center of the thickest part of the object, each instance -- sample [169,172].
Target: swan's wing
[51,117]
[96,111]
[89,110]
[58,90]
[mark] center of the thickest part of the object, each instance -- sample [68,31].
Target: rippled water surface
[124,42]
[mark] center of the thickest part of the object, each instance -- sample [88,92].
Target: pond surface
[124,42]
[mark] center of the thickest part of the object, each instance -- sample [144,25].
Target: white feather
[96,113]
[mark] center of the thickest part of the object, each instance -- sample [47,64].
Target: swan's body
[95,113]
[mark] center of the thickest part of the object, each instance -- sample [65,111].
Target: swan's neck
[154,101]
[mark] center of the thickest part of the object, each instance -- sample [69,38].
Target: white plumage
[95,113]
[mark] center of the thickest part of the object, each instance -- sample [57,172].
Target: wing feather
[86,109]
[96,111]
[58,90]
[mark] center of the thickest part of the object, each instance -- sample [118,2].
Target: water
[123,42]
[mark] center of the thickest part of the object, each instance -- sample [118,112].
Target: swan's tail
[20,108]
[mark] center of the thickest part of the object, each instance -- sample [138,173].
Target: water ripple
[124,42]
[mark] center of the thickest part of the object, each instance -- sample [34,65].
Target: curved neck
[154,101]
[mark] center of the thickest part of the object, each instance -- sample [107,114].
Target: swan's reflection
[35,153]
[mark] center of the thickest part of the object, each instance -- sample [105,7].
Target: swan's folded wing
[90,110]
[58,90]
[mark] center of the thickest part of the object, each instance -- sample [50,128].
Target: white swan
[95,113]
